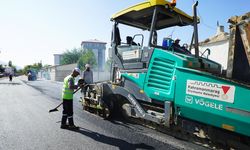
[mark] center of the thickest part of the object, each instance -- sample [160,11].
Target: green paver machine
[167,85]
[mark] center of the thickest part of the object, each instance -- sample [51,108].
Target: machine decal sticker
[135,75]
[202,102]
[211,90]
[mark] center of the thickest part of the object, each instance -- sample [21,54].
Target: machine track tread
[181,134]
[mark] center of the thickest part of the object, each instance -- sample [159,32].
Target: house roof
[93,41]
[222,36]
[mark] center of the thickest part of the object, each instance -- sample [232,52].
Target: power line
[203,22]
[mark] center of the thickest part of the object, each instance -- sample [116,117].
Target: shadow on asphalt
[125,123]
[10,83]
[121,144]
[121,123]
[118,119]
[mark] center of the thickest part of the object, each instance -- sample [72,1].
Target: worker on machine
[87,75]
[180,49]
[176,43]
[130,40]
[67,96]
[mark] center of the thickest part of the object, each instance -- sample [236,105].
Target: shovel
[55,109]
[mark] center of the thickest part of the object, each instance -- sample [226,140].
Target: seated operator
[176,43]
[130,41]
[178,48]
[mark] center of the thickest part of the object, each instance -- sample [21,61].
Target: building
[110,53]
[99,49]
[59,72]
[57,59]
[56,73]
[218,45]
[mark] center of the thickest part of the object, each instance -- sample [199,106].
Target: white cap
[176,39]
[87,65]
[77,70]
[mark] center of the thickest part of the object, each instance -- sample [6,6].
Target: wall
[63,70]
[58,73]
[219,52]
[101,76]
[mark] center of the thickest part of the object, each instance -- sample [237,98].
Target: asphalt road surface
[26,124]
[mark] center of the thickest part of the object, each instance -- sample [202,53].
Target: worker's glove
[81,85]
[80,82]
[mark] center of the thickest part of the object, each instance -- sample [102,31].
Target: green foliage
[47,65]
[88,57]
[19,72]
[14,68]
[35,66]
[1,68]
[10,63]
[79,56]
[71,56]
[108,64]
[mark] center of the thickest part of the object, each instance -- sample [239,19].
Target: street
[26,124]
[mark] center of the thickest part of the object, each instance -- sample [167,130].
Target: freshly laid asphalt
[25,123]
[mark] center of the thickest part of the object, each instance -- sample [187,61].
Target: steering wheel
[185,45]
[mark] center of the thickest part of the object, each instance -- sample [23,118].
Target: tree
[108,64]
[14,68]
[10,63]
[71,56]
[47,65]
[35,66]
[88,57]
[19,72]
[26,68]
[1,68]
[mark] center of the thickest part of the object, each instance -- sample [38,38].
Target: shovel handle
[62,102]
[80,88]
[58,105]
[77,90]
